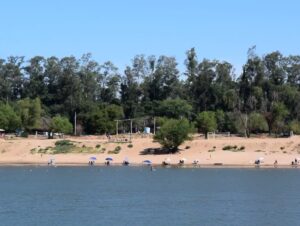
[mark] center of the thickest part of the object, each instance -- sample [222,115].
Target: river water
[137,196]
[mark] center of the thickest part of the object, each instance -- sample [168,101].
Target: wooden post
[117,128]
[154,130]
[75,122]
[130,129]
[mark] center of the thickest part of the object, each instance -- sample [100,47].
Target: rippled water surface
[138,196]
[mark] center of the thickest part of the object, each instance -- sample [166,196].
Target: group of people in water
[293,163]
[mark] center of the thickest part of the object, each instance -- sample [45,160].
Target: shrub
[242,148]
[233,148]
[63,146]
[63,142]
[115,151]
[130,145]
[33,151]
[227,147]
[173,133]
[98,146]
[187,147]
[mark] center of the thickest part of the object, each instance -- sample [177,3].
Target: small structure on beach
[2,133]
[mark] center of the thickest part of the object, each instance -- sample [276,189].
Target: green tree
[29,110]
[9,120]
[61,125]
[295,126]
[257,123]
[174,108]
[101,119]
[206,122]
[173,133]
[276,117]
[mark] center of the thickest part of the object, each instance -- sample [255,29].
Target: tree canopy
[263,97]
[173,133]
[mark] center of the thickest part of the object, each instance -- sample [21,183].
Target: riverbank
[220,152]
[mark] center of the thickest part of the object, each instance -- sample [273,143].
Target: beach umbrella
[148,162]
[93,158]
[109,159]
[261,159]
[183,159]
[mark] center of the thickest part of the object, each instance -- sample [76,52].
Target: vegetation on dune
[233,148]
[65,146]
[115,151]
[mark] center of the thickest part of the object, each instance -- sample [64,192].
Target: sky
[118,30]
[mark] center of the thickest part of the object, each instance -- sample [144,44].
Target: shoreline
[177,166]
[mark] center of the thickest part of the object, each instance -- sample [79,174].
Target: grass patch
[233,148]
[33,151]
[260,151]
[65,146]
[284,152]
[115,151]
[211,150]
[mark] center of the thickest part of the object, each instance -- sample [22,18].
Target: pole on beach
[75,124]
[154,125]
[130,129]
[117,127]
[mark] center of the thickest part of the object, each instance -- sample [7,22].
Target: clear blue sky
[118,30]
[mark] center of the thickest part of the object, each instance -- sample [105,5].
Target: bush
[173,133]
[63,142]
[227,147]
[63,146]
[115,151]
[130,145]
[233,148]
[187,147]
[242,148]
[98,146]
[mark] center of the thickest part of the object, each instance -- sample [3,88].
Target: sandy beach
[208,153]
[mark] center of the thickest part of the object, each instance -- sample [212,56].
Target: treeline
[265,97]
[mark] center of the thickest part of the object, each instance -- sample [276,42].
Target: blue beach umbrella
[109,159]
[93,158]
[147,162]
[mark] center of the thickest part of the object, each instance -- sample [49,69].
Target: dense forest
[44,93]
